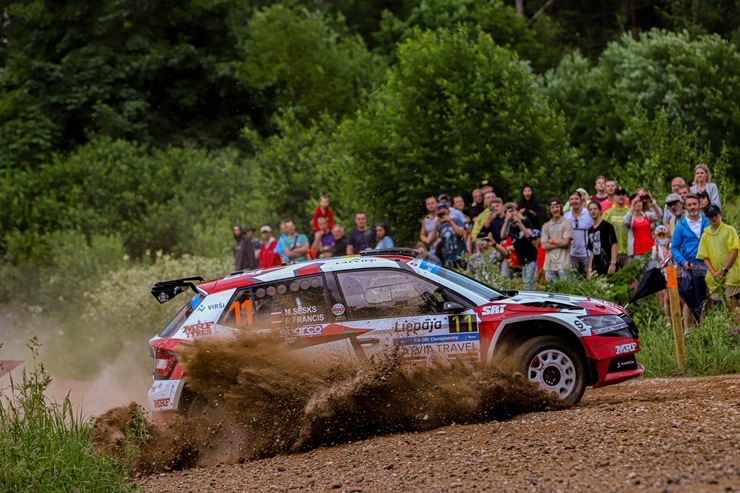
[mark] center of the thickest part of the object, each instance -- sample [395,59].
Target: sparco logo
[626,348]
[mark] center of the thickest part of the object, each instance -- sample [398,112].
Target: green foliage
[682,88]
[44,445]
[151,200]
[309,61]
[500,21]
[454,110]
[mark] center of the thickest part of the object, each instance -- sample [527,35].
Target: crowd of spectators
[585,235]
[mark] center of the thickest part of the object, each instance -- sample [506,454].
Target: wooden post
[672,285]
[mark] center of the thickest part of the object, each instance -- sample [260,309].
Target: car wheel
[551,363]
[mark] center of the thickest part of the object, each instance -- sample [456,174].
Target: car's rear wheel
[554,365]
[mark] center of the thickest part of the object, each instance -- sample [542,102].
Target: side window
[292,302]
[385,293]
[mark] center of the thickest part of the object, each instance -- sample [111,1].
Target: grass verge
[45,446]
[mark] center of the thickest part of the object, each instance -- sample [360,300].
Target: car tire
[554,365]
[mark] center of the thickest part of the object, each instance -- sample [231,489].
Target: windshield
[465,282]
[181,316]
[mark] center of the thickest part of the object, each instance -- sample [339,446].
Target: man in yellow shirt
[718,247]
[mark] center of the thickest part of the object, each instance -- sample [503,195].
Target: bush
[44,446]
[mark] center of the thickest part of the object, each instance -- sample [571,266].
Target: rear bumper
[164,396]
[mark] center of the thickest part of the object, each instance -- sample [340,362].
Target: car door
[393,308]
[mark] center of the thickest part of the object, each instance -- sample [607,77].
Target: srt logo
[626,348]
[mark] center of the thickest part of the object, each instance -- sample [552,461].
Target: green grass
[45,446]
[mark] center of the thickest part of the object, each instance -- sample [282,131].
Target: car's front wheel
[551,363]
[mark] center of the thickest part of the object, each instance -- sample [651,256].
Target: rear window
[181,316]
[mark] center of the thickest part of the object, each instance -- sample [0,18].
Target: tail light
[164,364]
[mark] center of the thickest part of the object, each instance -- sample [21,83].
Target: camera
[440,214]
[510,209]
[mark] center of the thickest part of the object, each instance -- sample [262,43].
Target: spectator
[684,248]
[357,240]
[340,241]
[602,243]
[322,210]
[454,213]
[684,190]
[556,237]
[519,230]
[244,255]
[459,203]
[529,207]
[676,184]
[584,200]
[279,246]
[661,257]
[703,200]
[485,186]
[381,239]
[674,204]
[424,253]
[703,182]
[482,218]
[718,247]
[429,222]
[581,222]
[600,186]
[639,224]
[615,215]
[267,248]
[477,206]
[452,234]
[323,240]
[294,245]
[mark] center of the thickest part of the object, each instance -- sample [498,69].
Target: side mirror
[453,307]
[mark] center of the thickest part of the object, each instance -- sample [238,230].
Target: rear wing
[164,291]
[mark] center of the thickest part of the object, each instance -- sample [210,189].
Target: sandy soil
[662,435]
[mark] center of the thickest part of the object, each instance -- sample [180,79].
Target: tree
[690,83]
[456,109]
[308,61]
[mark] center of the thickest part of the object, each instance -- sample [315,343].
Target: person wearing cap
[454,213]
[555,240]
[660,257]
[452,236]
[684,248]
[676,184]
[703,183]
[244,254]
[674,207]
[718,248]
[611,190]
[603,246]
[267,257]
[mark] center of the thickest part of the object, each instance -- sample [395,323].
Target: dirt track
[666,435]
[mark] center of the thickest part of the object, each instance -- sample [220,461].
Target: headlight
[602,324]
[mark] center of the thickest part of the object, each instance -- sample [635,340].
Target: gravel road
[662,435]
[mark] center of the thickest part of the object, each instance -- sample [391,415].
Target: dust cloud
[255,399]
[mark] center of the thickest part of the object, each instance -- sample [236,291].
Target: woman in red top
[639,223]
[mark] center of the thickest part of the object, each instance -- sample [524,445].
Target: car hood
[537,299]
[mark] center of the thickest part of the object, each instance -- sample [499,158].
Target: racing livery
[359,306]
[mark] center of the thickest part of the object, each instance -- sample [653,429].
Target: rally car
[359,306]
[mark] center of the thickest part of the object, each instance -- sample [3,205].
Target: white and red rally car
[361,305]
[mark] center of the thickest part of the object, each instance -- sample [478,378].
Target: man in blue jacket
[684,247]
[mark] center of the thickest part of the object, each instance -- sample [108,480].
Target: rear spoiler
[164,291]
